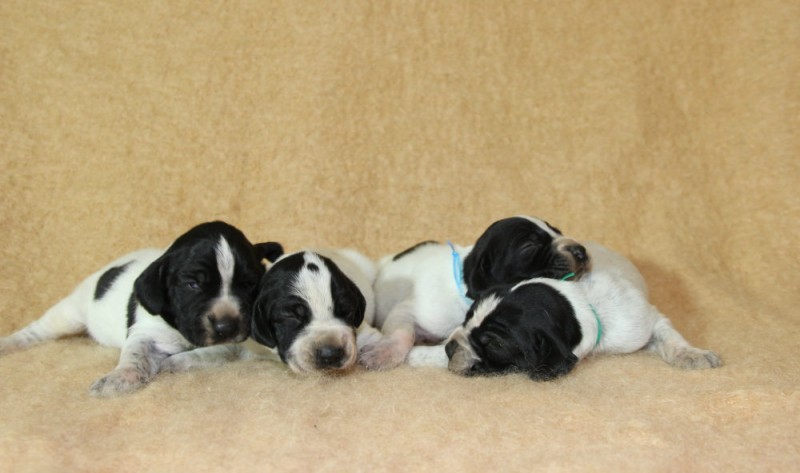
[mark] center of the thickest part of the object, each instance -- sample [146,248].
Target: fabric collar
[458,274]
[594,311]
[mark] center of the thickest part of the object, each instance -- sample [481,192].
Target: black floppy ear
[151,286]
[261,330]
[478,267]
[359,309]
[348,301]
[548,359]
[270,251]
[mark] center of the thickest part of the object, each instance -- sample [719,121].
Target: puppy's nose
[579,253]
[224,328]
[329,357]
[450,348]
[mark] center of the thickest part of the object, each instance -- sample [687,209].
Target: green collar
[594,311]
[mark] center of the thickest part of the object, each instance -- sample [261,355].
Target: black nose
[329,357]
[450,348]
[224,328]
[579,253]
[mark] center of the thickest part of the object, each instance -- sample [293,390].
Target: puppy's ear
[478,269]
[548,359]
[349,302]
[261,329]
[150,287]
[270,251]
[359,309]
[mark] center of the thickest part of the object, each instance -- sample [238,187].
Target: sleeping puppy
[154,304]
[422,294]
[542,327]
[311,305]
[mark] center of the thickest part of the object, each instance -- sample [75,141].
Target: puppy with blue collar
[543,327]
[156,305]
[422,294]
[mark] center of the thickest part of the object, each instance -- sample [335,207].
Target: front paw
[119,382]
[382,355]
[692,358]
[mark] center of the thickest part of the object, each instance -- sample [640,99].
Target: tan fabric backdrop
[666,130]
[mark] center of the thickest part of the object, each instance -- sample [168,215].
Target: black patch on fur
[279,315]
[312,267]
[132,304]
[411,250]
[533,330]
[107,280]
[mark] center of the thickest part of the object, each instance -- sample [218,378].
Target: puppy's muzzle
[225,327]
[329,357]
[462,356]
[576,254]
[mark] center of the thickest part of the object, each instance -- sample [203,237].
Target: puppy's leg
[675,350]
[367,335]
[205,357]
[391,350]
[64,318]
[428,356]
[139,362]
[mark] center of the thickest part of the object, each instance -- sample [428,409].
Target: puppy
[422,294]
[311,305]
[154,304]
[542,327]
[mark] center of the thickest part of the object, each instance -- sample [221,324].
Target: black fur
[280,315]
[181,284]
[107,280]
[509,251]
[532,330]
[131,310]
[411,250]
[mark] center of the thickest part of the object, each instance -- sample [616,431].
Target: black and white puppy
[155,304]
[422,294]
[542,326]
[312,306]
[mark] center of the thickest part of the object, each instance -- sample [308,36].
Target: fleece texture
[665,130]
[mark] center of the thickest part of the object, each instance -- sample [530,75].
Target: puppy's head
[309,309]
[519,248]
[205,283]
[530,328]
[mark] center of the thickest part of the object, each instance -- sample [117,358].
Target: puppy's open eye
[193,285]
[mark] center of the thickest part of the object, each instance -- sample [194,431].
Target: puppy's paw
[382,355]
[691,358]
[119,382]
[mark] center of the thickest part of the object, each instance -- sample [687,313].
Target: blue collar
[458,275]
[594,311]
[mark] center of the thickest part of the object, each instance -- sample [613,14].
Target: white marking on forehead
[541,224]
[314,286]
[485,307]
[225,265]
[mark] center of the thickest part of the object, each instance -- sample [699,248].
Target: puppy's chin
[329,352]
